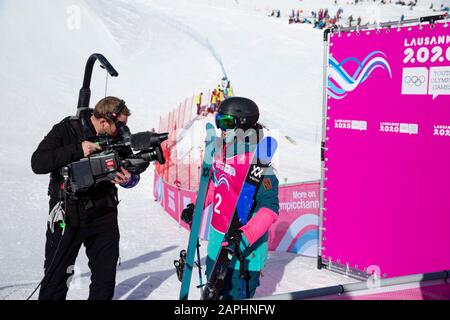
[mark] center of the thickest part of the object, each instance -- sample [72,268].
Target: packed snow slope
[164,51]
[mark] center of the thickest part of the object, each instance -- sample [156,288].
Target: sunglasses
[225,121]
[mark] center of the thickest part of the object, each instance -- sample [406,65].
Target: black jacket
[61,146]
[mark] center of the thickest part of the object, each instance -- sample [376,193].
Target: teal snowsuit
[228,176]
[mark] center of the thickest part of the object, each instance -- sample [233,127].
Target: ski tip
[210,132]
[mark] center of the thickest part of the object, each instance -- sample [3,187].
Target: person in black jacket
[89,217]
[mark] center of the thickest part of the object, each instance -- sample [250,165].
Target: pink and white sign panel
[387,177]
[296,229]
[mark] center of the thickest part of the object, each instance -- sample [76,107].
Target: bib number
[217,204]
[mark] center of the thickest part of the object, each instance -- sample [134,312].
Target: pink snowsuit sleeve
[258,225]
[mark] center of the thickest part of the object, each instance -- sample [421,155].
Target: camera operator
[88,217]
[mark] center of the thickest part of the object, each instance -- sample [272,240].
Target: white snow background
[164,52]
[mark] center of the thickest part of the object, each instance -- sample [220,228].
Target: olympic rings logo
[415,80]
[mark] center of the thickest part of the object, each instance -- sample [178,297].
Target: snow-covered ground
[164,52]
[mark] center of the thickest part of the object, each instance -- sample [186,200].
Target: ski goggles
[225,121]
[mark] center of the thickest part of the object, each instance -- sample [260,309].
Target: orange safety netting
[182,172]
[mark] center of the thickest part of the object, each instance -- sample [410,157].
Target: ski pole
[200,286]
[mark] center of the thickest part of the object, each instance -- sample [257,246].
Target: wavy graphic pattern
[220,180]
[302,236]
[307,244]
[340,81]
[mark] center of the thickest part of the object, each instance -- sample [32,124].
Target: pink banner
[296,229]
[387,176]
[171,204]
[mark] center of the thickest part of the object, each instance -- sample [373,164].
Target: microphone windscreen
[141,140]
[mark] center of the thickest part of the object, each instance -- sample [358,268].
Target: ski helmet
[244,111]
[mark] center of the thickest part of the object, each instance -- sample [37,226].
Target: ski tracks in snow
[184,28]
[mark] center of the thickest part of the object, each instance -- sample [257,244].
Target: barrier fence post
[179,207]
[189,170]
[176,154]
[169,147]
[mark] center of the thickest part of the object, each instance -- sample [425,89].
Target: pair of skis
[188,260]
[261,159]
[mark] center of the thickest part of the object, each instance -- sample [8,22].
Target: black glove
[235,236]
[188,213]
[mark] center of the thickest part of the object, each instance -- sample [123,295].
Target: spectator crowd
[206,105]
[322,18]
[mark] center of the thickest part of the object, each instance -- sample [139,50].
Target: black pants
[102,250]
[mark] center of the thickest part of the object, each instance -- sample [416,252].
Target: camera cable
[62,226]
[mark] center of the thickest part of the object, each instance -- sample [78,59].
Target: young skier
[237,118]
